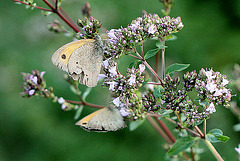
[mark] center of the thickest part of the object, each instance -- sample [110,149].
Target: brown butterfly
[82,60]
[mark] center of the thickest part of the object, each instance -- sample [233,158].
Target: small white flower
[124,112]
[100,76]
[225,82]
[150,86]
[31,92]
[238,149]
[211,86]
[112,84]
[42,73]
[211,108]
[113,70]
[132,79]
[111,34]
[33,79]
[209,74]
[117,101]
[141,68]
[218,92]
[105,64]
[61,100]
[63,106]
[152,29]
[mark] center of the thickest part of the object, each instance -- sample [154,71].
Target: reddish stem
[84,103]
[41,8]
[165,129]
[61,16]
[159,130]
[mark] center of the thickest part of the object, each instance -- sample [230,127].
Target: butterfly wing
[85,63]
[61,57]
[106,119]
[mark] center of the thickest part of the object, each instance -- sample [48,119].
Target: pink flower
[105,64]
[33,79]
[211,87]
[211,108]
[117,101]
[111,34]
[132,79]
[61,100]
[113,70]
[141,68]
[124,112]
[63,107]
[152,29]
[209,74]
[238,149]
[100,76]
[112,84]
[31,92]
[42,73]
[225,82]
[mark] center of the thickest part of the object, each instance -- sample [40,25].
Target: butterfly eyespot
[84,123]
[63,56]
[76,62]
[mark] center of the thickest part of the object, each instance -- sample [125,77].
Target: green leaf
[86,93]
[165,113]
[74,90]
[151,53]
[78,112]
[176,68]
[181,144]
[236,127]
[160,46]
[216,135]
[171,38]
[135,124]
[157,92]
[134,64]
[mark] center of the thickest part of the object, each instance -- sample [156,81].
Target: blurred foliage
[36,129]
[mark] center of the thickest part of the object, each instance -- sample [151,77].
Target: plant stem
[165,129]
[213,150]
[163,57]
[84,103]
[191,131]
[156,64]
[61,16]
[159,130]
[199,132]
[41,8]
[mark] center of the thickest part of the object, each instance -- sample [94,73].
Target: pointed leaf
[176,68]
[151,53]
[181,144]
[78,112]
[135,124]
[157,92]
[160,46]
[86,93]
[216,135]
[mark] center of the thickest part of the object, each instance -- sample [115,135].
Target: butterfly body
[82,60]
[103,120]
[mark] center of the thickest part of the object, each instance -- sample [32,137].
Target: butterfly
[103,120]
[81,59]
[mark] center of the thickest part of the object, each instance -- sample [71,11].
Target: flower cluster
[89,27]
[56,27]
[124,87]
[211,86]
[147,26]
[150,103]
[34,84]
[211,90]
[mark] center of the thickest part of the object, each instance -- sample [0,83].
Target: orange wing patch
[70,48]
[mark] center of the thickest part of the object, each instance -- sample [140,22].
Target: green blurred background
[36,129]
